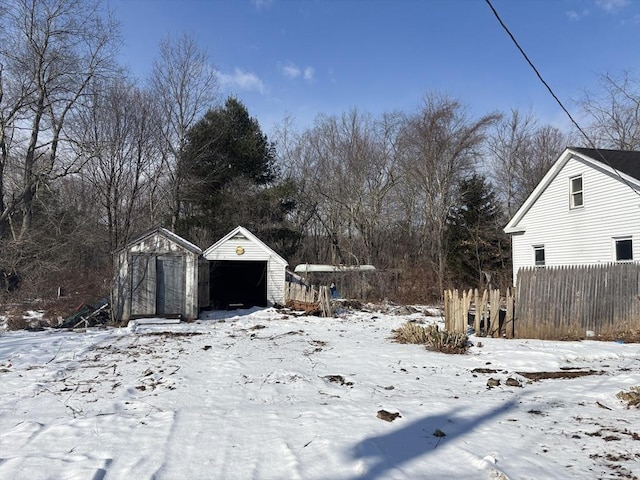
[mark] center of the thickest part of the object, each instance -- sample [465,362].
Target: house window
[575,188]
[624,249]
[538,255]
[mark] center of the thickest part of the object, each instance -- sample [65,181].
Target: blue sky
[307,57]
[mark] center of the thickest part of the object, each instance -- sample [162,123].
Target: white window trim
[614,242]
[572,194]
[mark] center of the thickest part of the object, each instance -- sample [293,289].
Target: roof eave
[518,229]
[512,226]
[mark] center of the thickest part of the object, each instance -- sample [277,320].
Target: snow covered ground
[262,394]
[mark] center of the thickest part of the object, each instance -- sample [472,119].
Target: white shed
[244,272]
[159,274]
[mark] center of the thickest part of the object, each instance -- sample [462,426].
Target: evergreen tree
[231,179]
[478,248]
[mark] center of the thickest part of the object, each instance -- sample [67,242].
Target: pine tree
[478,248]
[231,179]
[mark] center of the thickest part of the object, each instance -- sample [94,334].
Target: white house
[245,271]
[586,210]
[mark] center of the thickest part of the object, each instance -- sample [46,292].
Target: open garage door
[237,284]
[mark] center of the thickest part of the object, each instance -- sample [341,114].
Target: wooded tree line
[90,157]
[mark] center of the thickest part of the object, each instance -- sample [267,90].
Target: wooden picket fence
[308,298]
[298,292]
[489,313]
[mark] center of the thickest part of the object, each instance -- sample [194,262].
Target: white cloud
[291,71]
[260,4]
[309,72]
[612,6]
[243,80]
[576,16]
[635,20]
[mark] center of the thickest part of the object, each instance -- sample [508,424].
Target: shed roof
[187,245]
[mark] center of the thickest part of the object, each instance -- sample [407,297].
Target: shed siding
[582,235]
[275,282]
[227,251]
[191,287]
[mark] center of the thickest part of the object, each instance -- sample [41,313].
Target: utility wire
[515,42]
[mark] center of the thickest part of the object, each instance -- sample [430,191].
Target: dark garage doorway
[235,284]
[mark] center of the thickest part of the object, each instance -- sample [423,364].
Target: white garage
[244,272]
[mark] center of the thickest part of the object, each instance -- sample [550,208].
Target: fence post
[447,309]
[509,322]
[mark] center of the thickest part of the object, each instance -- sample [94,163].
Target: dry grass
[17,323]
[411,332]
[17,320]
[434,339]
[632,397]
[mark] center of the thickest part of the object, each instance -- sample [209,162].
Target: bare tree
[614,112]
[442,144]
[117,135]
[185,84]
[510,147]
[547,143]
[345,168]
[50,51]
[296,161]
[319,152]
[521,153]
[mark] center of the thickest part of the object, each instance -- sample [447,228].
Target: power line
[515,42]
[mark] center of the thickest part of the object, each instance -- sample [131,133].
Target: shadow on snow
[386,452]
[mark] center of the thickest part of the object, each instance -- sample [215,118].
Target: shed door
[143,285]
[170,271]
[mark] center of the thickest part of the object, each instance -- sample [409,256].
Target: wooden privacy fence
[553,303]
[489,313]
[578,301]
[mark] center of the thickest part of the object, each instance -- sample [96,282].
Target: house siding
[582,235]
